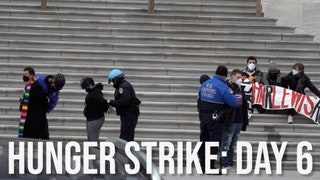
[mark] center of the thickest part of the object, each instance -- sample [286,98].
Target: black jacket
[298,83]
[125,99]
[238,114]
[96,105]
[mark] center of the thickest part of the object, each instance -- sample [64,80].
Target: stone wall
[303,14]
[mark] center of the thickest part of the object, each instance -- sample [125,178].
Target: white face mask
[295,72]
[251,66]
[239,81]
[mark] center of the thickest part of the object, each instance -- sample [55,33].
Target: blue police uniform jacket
[215,95]
[53,95]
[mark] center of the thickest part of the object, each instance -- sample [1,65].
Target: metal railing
[151,6]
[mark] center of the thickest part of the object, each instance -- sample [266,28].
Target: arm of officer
[231,99]
[124,98]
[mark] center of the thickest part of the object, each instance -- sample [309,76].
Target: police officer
[215,98]
[126,104]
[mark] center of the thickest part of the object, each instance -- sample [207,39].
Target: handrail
[151,7]
[43,4]
[258,8]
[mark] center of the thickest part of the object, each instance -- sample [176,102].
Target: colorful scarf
[24,107]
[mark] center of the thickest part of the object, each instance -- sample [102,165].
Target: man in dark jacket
[236,120]
[297,81]
[95,107]
[252,74]
[126,104]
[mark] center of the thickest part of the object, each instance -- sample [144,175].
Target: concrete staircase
[163,56]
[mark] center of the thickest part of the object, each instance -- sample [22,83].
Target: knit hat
[222,71]
[273,66]
[204,78]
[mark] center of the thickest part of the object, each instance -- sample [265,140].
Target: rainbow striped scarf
[24,107]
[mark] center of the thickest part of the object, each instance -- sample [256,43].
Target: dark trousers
[210,130]
[128,125]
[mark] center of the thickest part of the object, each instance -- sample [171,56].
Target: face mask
[25,78]
[239,81]
[273,75]
[251,66]
[295,72]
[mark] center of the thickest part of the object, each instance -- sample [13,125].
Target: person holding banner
[274,75]
[252,74]
[297,81]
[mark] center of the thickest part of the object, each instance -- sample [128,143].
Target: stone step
[231,61]
[146,32]
[112,55]
[64,49]
[12,38]
[163,8]
[151,87]
[167,134]
[146,105]
[142,25]
[200,6]
[168,115]
[7,11]
[113,122]
[144,96]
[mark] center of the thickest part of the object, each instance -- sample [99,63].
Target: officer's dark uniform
[215,97]
[127,107]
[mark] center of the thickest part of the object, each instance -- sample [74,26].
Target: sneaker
[290,119]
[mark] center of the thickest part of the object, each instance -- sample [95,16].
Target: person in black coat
[126,104]
[297,81]
[95,107]
[236,120]
[36,125]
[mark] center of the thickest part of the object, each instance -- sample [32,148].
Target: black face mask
[273,76]
[25,78]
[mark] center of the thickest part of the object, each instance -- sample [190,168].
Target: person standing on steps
[95,107]
[216,98]
[29,79]
[126,103]
[238,121]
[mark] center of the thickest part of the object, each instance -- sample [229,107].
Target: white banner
[276,97]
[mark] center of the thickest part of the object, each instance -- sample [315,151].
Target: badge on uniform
[120,90]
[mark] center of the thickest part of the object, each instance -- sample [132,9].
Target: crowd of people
[224,109]
[222,104]
[41,95]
